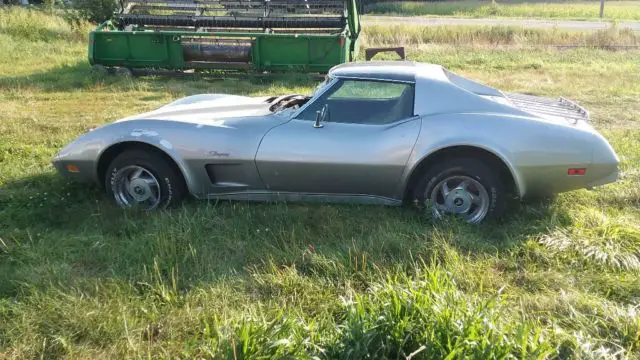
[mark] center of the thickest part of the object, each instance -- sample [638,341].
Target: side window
[364,102]
[369,90]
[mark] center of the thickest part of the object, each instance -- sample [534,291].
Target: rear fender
[422,154]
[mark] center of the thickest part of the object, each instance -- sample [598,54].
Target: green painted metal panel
[315,53]
[354,47]
[110,48]
[135,50]
[353,18]
[298,53]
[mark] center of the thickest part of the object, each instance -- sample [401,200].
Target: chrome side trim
[375,79]
[285,196]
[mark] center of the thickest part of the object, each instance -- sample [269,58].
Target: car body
[366,135]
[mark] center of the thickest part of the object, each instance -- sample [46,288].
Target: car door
[362,147]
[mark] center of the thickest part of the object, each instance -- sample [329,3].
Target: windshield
[320,86]
[295,101]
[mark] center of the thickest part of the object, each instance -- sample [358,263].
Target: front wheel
[144,180]
[465,187]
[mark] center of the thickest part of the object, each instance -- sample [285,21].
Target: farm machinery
[251,35]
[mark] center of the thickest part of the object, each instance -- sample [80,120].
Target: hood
[208,109]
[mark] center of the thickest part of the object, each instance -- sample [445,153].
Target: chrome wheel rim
[135,186]
[462,196]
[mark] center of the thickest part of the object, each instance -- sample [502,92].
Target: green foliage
[95,11]
[37,25]
[430,318]
[80,279]
[608,242]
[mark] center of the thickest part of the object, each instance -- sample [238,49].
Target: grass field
[497,36]
[577,10]
[80,279]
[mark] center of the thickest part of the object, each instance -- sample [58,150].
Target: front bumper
[77,171]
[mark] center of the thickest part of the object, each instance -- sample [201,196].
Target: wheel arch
[507,172]
[111,152]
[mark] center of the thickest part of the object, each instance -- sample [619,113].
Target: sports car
[389,132]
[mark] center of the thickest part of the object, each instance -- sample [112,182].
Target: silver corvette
[375,132]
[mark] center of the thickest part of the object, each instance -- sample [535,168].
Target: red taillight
[577,171]
[341,41]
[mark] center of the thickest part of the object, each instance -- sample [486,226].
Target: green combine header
[254,35]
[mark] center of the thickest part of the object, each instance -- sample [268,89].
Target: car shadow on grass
[59,232]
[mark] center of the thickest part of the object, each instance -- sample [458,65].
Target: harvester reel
[253,35]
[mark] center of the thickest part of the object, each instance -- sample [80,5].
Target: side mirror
[321,115]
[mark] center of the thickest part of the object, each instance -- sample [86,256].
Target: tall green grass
[496,35]
[587,10]
[79,278]
[37,24]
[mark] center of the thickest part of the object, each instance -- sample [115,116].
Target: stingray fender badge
[218,154]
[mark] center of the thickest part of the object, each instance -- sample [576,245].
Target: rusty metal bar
[371,52]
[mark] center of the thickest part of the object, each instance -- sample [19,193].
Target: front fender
[86,151]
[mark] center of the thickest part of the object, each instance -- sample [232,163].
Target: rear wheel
[461,186]
[144,180]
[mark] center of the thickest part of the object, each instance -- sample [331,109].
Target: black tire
[172,185]
[463,166]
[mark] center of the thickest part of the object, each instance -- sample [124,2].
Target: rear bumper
[605,163]
[611,178]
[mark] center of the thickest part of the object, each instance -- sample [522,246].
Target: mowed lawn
[557,278]
[568,9]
